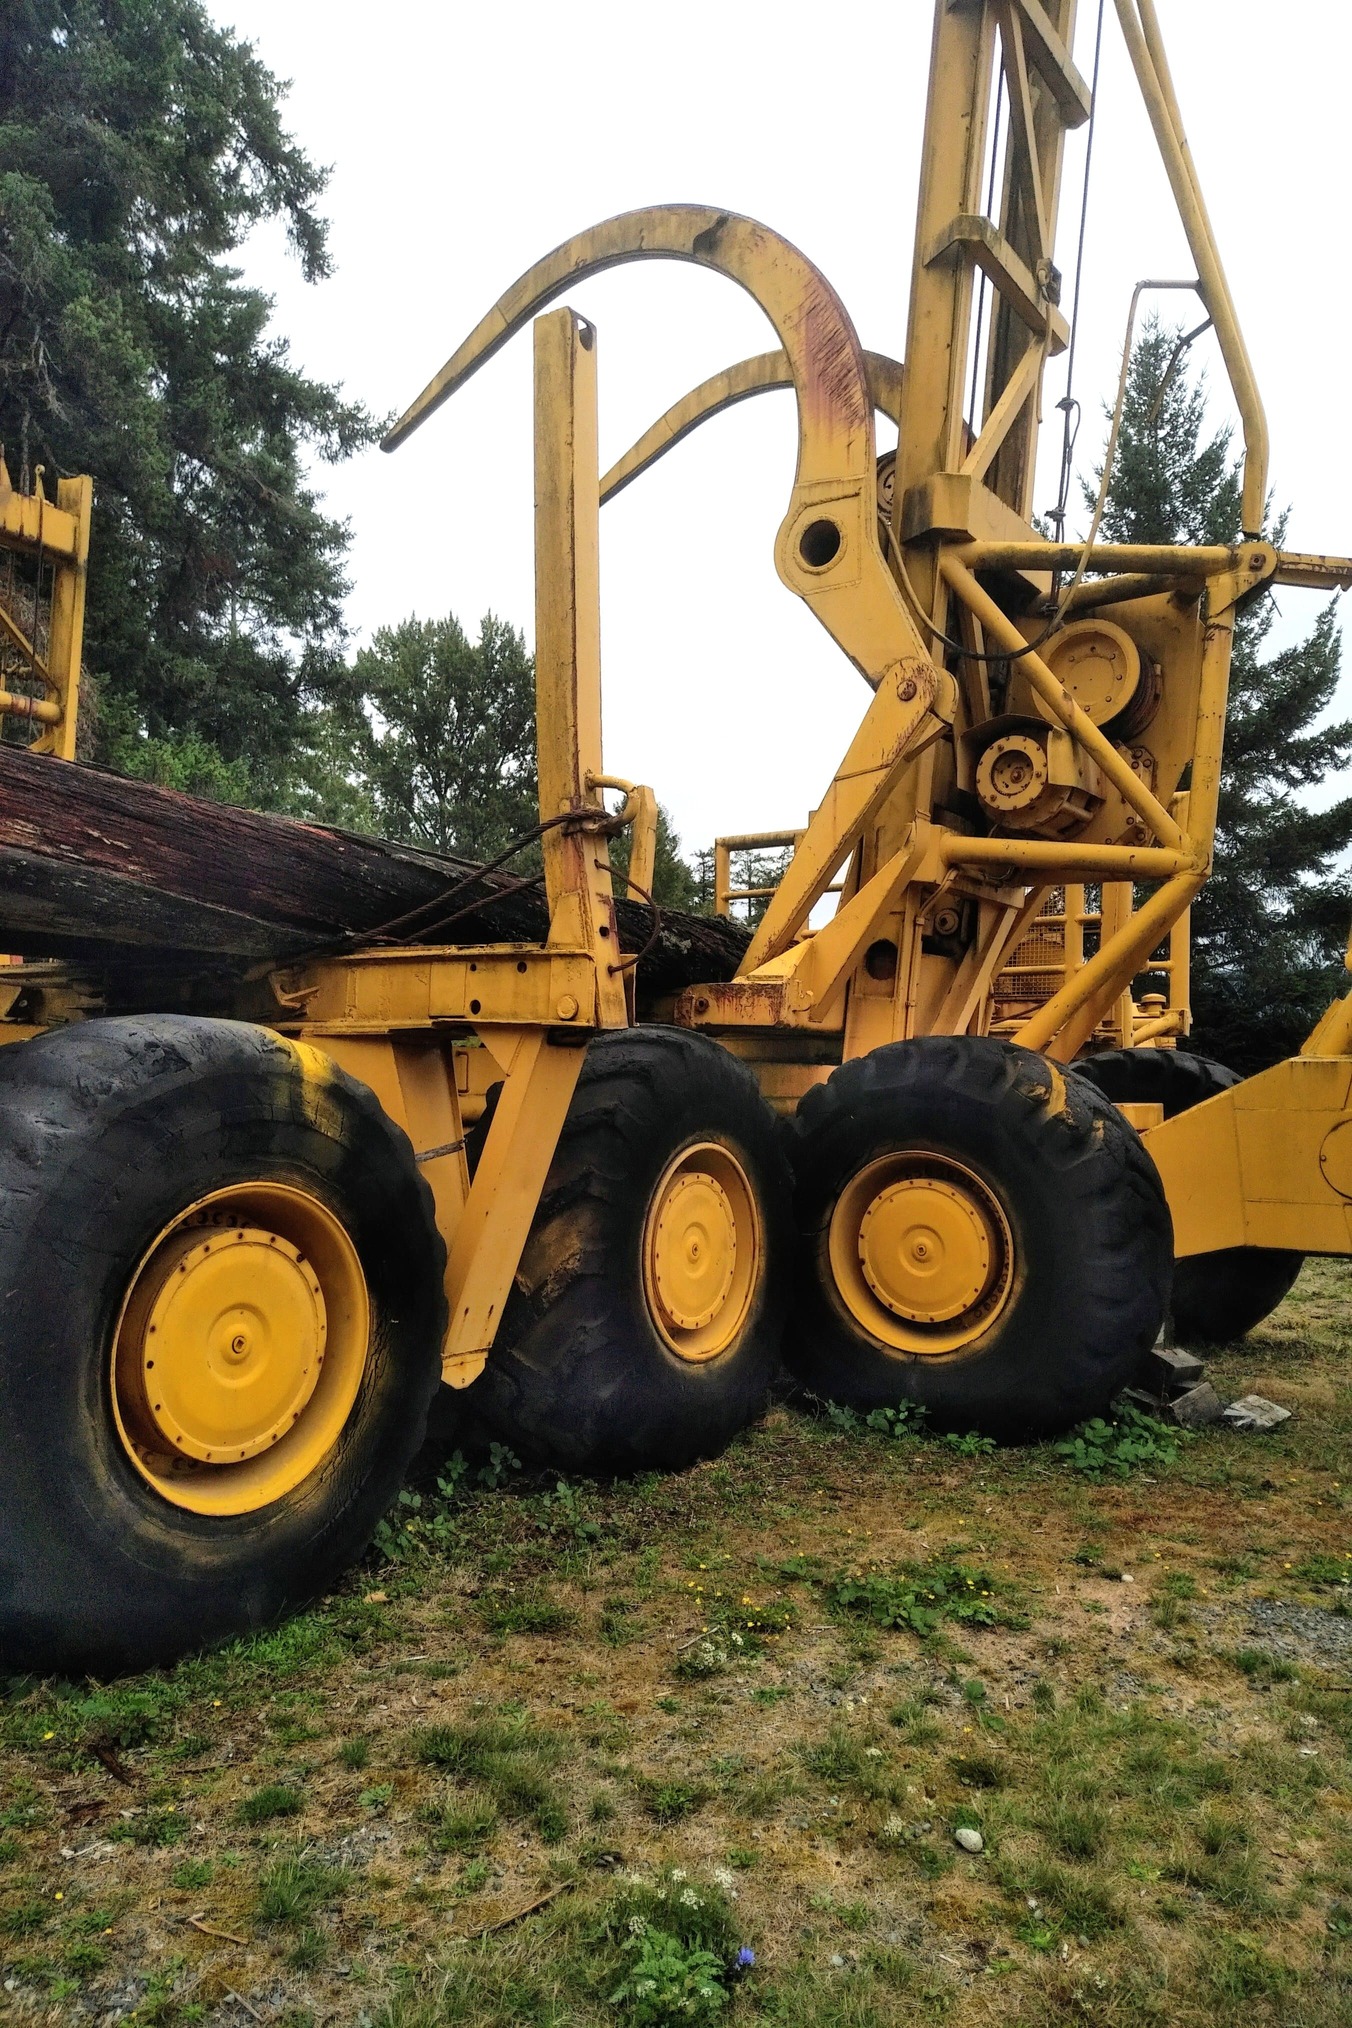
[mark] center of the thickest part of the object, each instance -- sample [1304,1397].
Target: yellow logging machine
[935,1149]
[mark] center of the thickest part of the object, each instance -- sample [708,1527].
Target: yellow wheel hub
[702,1251]
[921,1253]
[240,1349]
[234,1343]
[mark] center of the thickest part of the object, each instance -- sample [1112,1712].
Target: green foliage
[420,1525]
[140,144]
[920,1596]
[527,1611]
[668,1802]
[680,1943]
[292,1888]
[1325,1570]
[668,1981]
[273,1800]
[510,1759]
[1114,1447]
[907,1419]
[432,740]
[676,882]
[463,1827]
[193,1873]
[153,1827]
[1270,925]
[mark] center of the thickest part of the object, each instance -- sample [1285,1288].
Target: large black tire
[109,1131]
[1086,1238]
[1217,1296]
[582,1376]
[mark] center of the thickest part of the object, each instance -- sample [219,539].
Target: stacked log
[100,869]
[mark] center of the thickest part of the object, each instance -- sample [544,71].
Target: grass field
[559,1753]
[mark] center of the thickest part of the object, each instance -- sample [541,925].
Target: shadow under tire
[240,1196]
[645,1324]
[1219,1296]
[981,1234]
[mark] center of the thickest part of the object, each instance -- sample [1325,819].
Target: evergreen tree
[1270,927]
[139,145]
[434,742]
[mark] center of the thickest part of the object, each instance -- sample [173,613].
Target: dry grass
[557,1695]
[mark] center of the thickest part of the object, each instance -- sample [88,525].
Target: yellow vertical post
[568,649]
[1115,912]
[65,642]
[722,877]
[1073,929]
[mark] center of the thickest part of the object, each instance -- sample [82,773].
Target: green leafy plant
[668,1802]
[970,1443]
[667,1980]
[679,1947]
[920,1596]
[422,1525]
[1115,1447]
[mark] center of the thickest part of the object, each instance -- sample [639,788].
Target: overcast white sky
[465,140]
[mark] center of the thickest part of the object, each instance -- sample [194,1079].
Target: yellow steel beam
[827,548]
[492,1230]
[908,711]
[379,992]
[1050,57]
[568,654]
[762,374]
[987,246]
[1140,27]
[1268,1163]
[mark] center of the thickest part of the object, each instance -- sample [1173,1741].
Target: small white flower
[637,1926]
[873,1752]
[726,1881]
[679,1873]
[689,1898]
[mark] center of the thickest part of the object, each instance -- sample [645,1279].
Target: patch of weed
[193,1873]
[1326,1570]
[1115,1446]
[275,1799]
[919,1597]
[1261,1667]
[510,1759]
[464,1827]
[153,1827]
[668,1802]
[527,1612]
[292,1888]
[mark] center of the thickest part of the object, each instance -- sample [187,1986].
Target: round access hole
[819,544]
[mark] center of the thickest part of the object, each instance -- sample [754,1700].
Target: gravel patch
[1302,1633]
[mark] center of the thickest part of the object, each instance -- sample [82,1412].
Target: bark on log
[92,864]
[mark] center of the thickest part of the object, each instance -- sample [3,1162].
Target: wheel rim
[701,1251]
[921,1253]
[240,1348]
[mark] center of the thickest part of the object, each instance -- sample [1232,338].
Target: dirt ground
[703,1746]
